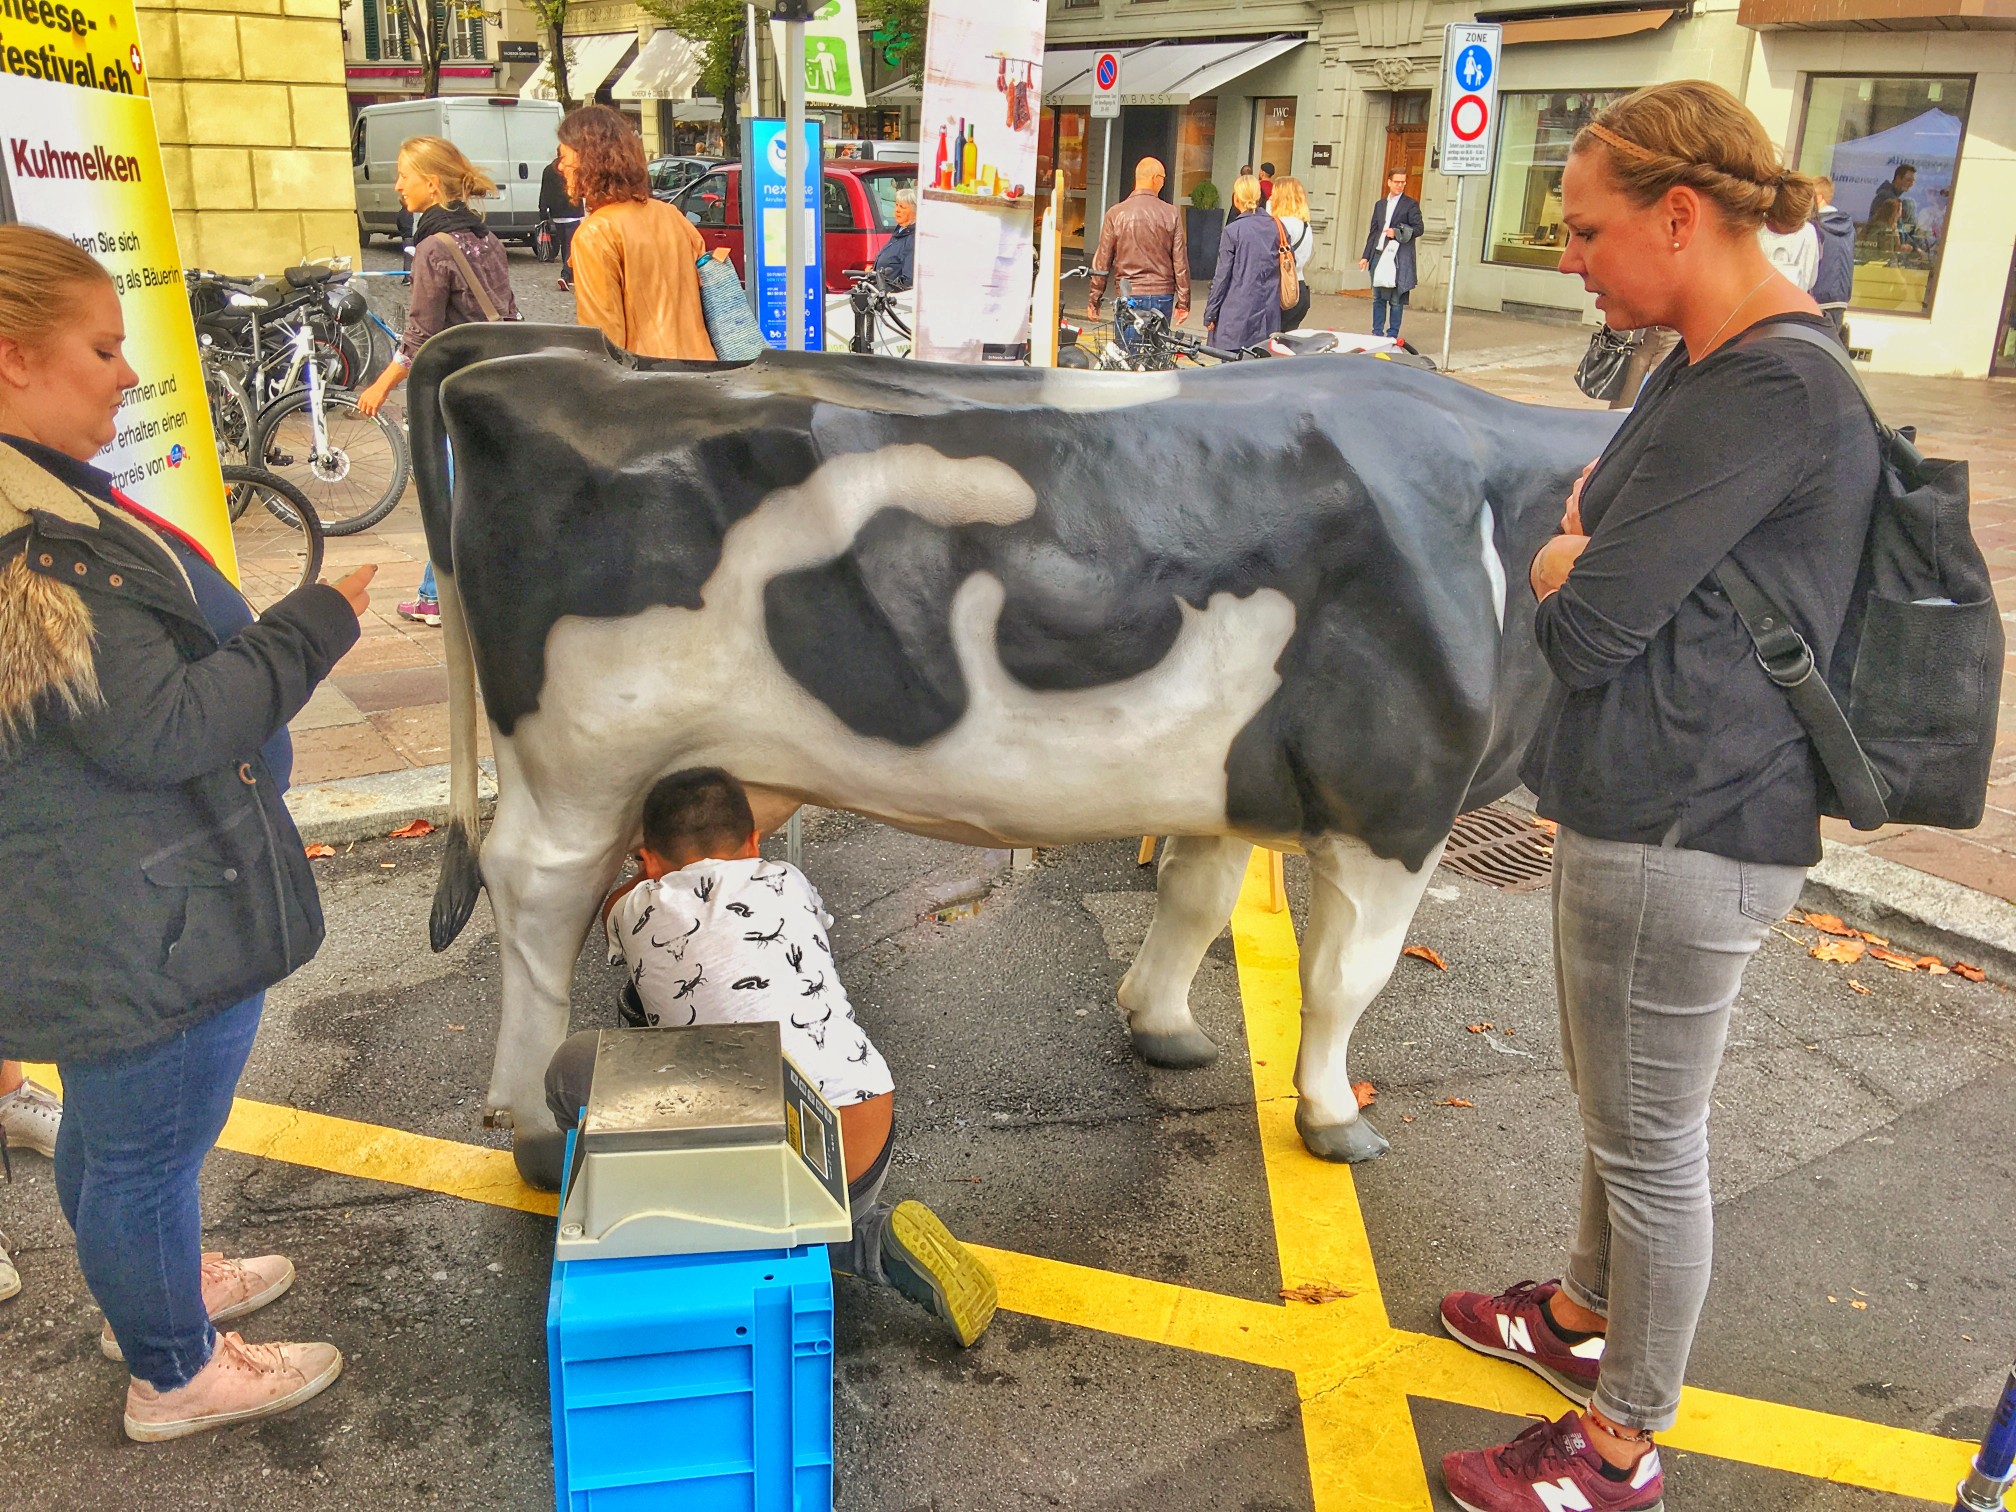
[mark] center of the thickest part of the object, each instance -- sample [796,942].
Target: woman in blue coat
[1245,303]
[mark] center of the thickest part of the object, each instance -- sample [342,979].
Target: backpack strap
[475,285]
[1898,444]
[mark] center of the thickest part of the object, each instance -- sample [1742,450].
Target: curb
[368,808]
[1916,910]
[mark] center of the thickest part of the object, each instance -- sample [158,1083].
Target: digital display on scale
[812,1128]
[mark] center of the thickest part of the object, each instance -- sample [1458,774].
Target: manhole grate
[1502,848]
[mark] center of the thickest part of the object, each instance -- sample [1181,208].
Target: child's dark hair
[695,811]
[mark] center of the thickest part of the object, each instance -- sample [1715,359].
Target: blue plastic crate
[701,1383]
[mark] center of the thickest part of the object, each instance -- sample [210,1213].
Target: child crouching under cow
[714,934]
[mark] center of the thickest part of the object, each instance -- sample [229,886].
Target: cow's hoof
[1179,1050]
[1346,1143]
[539,1154]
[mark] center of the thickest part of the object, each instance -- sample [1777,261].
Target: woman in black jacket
[154,884]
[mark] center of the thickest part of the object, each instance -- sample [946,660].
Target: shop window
[1535,131]
[1060,148]
[1196,137]
[1892,147]
[1274,134]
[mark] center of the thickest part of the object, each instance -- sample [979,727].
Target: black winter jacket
[149,873]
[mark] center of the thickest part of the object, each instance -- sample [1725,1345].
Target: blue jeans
[1386,307]
[136,1126]
[1166,303]
[428,592]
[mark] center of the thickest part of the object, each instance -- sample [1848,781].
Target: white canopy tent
[590,61]
[1929,142]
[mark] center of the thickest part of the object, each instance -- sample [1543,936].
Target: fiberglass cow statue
[1281,602]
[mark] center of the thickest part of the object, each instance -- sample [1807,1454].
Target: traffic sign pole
[1449,303]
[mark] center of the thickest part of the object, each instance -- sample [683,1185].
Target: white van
[510,139]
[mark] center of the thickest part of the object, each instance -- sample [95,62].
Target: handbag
[1291,279]
[1604,367]
[1918,665]
[731,324]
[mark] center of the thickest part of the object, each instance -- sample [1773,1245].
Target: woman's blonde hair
[1289,198]
[438,158]
[1245,193]
[41,275]
[1696,133]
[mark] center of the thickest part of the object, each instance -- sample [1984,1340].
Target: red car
[859,210]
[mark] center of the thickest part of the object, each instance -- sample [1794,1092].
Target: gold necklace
[1732,314]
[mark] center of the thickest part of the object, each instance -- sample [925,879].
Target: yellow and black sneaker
[925,1263]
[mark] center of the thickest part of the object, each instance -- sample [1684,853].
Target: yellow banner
[79,155]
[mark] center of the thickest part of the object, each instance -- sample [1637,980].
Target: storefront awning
[908,90]
[1879,15]
[1174,74]
[667,68]
[590,60]
[1585,28]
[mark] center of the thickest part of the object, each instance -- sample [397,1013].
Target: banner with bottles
[983,93]
[79,155]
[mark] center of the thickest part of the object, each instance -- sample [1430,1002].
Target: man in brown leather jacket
[1141,241]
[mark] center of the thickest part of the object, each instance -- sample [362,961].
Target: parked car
[858,203]
[872,150]
[510,139]
[671,174]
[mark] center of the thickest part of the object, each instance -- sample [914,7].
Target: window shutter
[370,28]
[476,34]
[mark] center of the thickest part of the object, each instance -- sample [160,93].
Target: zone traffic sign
[1469,96]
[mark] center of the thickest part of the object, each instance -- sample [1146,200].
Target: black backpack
[1918,667]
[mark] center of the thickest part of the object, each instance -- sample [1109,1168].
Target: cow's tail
[461,877]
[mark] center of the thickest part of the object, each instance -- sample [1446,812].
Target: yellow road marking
[1354,1372]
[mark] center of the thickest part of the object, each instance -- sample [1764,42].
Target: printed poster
[983,94]
[832,54]
[79,155]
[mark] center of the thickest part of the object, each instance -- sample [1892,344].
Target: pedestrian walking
[563,213]
[1290,206]
[1389,253]
[460,276]
[1686,790]
[1266,185]
[155,885]
[1245,303]
[1141,243]
[1795,253]
[1834,277]
[636,259]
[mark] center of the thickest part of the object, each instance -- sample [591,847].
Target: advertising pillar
[983,92]
[79,156]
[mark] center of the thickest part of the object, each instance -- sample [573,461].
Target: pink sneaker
[426,611]
[1513,1326]
[231,1289]
[1549,1468]
[241,1382]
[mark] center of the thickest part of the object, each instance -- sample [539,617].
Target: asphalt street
[1864,1147]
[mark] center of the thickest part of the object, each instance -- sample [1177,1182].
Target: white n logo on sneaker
[1515,1333]
[1562,1496]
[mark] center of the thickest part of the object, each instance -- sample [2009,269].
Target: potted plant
[1203,223]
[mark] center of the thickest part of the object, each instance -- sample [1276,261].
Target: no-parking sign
[1106,86]
[1469,96]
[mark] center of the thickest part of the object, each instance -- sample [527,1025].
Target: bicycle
[353,466]
[275,532]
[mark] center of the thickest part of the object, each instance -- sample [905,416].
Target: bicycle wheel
[357,481]
[275,533]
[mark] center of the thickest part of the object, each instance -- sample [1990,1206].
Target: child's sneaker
[30,1116]
[426,611]
[231,1289]
[241,1382]
[1549,1467]
[925,1263]
[1514,1326]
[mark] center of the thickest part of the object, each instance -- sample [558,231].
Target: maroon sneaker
[1513,1326]
[1551,1467]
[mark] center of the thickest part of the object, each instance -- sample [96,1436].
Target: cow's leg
[1194,892]
[1359,909]
[546,868]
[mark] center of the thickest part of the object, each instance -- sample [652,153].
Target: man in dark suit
[1389,253]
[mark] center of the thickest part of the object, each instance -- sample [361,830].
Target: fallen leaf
[1845,952]
[458,1028]
[1365,1092]
[412,831]
[1480,1028]
[1406,1118]
[1972,973]
[1858,1305]
[1865,991]
[1314,1292]
[1892,959]
[319,852]
[1548,825]
[1455,1102]
[1873,939]
[1423,953]
[1936,969]
[388,866]
[1833,1299]
[1829,924]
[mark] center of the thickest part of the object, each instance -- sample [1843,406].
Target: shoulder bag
[1291,280]
[1606,366]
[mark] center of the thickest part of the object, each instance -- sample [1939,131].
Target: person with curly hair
[636,259]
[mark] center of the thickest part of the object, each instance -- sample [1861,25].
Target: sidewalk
[384,711]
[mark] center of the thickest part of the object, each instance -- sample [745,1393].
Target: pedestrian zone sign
[1469,96]
[1106,86]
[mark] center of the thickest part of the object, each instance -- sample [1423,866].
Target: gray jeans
[1649,949]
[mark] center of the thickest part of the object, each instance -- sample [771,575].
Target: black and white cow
[1280,602]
